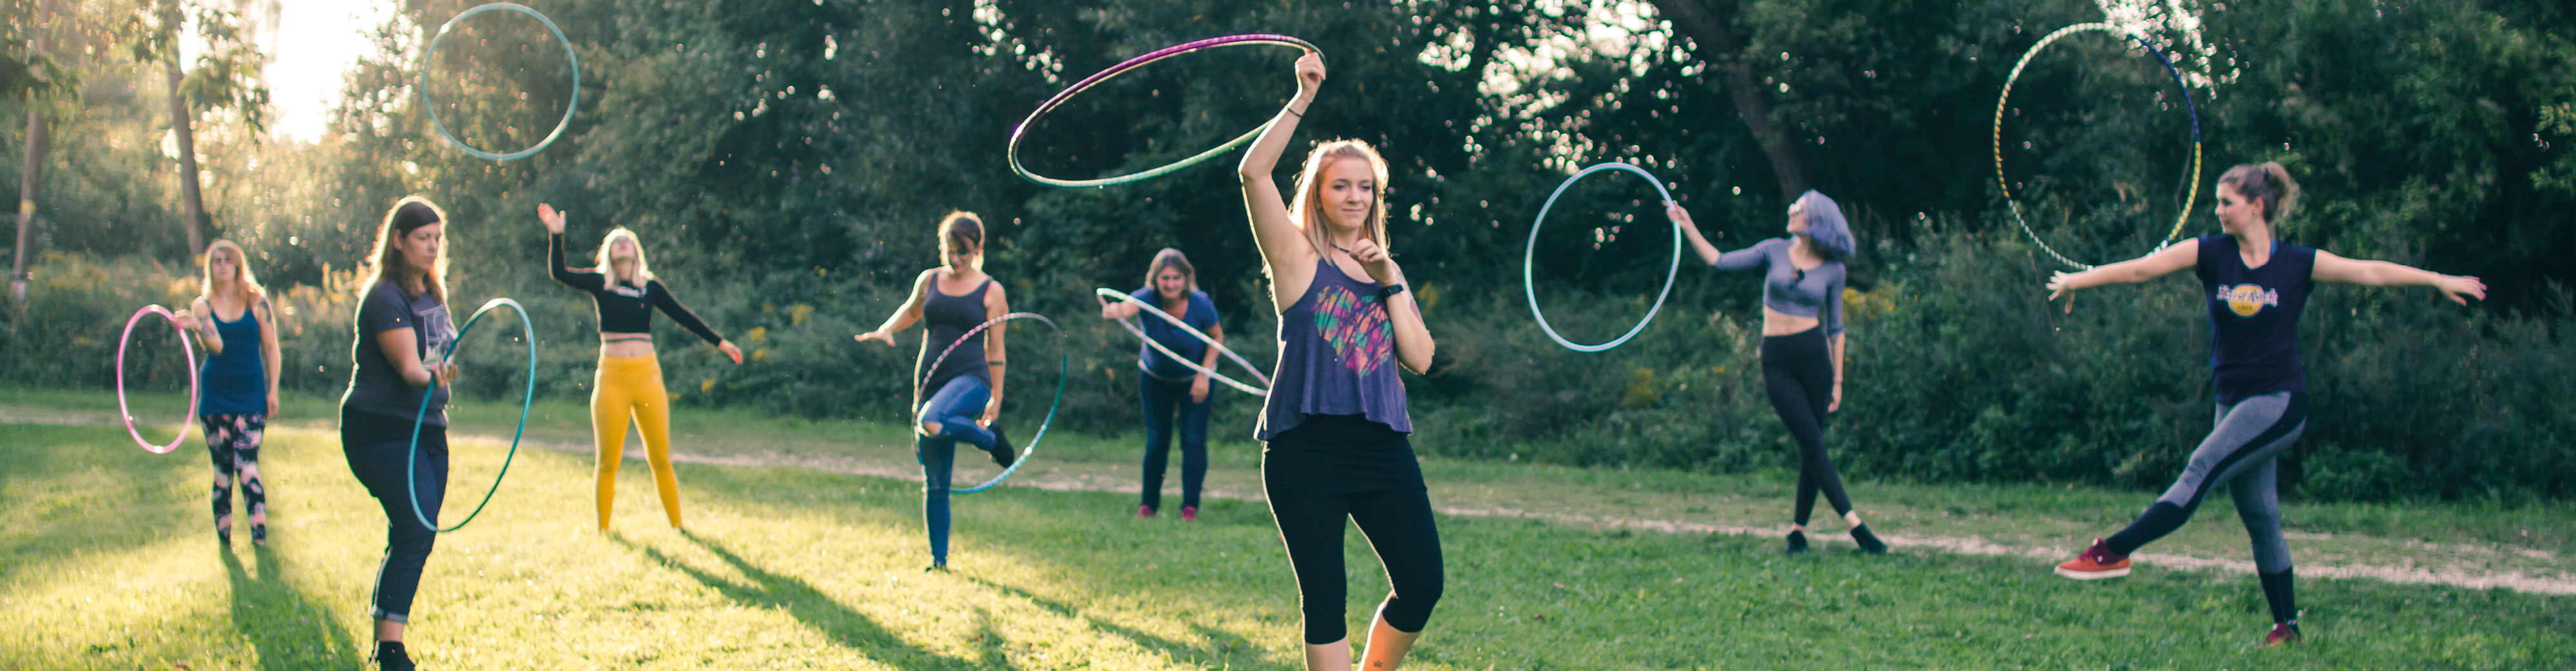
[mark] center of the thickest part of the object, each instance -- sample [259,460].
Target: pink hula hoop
[121,407]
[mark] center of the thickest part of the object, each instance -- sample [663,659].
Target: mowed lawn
[108,561]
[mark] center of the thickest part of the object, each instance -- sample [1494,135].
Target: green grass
[110,564]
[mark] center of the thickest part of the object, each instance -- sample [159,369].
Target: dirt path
[2472,566]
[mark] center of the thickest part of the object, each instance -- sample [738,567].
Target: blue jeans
[1162,398]
[376,446]
[954,410]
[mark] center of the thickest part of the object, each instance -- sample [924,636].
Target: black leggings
[376,446]
[1798,371]
[1308,482]
[1398,526]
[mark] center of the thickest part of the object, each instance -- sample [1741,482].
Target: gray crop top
[1814,293]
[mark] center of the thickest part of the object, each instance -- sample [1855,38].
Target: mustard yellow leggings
[631,388]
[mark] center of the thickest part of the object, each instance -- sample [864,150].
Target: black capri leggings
[1310,499]
[1798,371]
[376,446]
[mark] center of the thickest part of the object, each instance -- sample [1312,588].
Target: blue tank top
[1336,357]
[2254,317]
[1201,315]
[946,318]
[236,381]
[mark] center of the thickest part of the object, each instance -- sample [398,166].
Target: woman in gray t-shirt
[402,330]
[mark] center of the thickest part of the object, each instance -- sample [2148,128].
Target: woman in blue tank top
[1335,420]
[1167,388]
[2253,288]
[237,386]
[961,398]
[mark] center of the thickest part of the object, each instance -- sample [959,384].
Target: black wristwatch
[1389,291]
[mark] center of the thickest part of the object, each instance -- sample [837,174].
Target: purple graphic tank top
[1336,357]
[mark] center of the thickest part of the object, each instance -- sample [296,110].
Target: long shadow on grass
[767,590]
[262,605]
[1219,643]
[47,474]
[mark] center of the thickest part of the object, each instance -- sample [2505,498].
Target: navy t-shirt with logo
[2254,317]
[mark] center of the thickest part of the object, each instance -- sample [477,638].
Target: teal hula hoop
[411,461]
[432,52]
[1063,373]
[1017,132]
[1261,391]
[1529,259]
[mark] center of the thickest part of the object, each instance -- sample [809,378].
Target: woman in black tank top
[959,399]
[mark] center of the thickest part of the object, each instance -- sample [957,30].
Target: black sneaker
[390,656]
[224,536]
[1002,451]
[1797,543]
[259,534]
[1868,541]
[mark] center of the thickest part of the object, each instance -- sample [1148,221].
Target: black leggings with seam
[1798,372]
[1331,469]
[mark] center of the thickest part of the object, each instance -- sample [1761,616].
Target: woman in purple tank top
[959,399]
[1335,422]
[2253,287]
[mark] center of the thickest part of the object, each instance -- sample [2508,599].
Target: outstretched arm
[903,317]
[2331,268]
[2163,262]
[1707,252]
[670,305]
[1283,243]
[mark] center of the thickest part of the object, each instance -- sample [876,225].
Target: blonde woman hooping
[238,381]
[628,387]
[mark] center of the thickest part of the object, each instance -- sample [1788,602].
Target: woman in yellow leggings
[629,387]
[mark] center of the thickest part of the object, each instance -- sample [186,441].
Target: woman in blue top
[1172,283]
[963,395]
[237,387]
[2253,287]
[403,331]
[1802,342]
[1335,421]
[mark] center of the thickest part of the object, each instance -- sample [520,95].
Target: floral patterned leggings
[233,443]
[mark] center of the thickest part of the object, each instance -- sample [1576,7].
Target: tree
[223,79]
[1720,49]
[30,79]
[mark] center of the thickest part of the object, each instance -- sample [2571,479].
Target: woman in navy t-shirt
[403,331]
[1166,387]
[2253,287]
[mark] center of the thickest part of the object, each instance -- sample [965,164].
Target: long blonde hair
[408,214]
[243,281]
[1310,217]
[643,270]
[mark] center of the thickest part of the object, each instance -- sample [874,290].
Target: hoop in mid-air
[1262,391]
[2191,185]
[1017,132]
[411,459]
[427,55]
[121,407]
[1063,372]
[1529,259]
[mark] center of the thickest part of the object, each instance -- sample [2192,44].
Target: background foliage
[786,161]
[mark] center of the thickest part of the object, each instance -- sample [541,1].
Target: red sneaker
[1189,513]
[2095,563]
[2285,633]
[1144,512]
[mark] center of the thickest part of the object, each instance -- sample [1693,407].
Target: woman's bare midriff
[1777,323]
[627,346]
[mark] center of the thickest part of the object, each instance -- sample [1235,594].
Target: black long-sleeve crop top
[623,308]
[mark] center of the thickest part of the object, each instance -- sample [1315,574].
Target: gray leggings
[2243,453]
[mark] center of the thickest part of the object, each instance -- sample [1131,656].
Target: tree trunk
[30,175]
[192,201]
[1722,52]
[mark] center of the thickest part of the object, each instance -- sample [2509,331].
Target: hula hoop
[1167,52]
[1261,391]
[2191,190]
[1063,370]
[1529,258]
[411,461]
[128,413]
[432,51]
